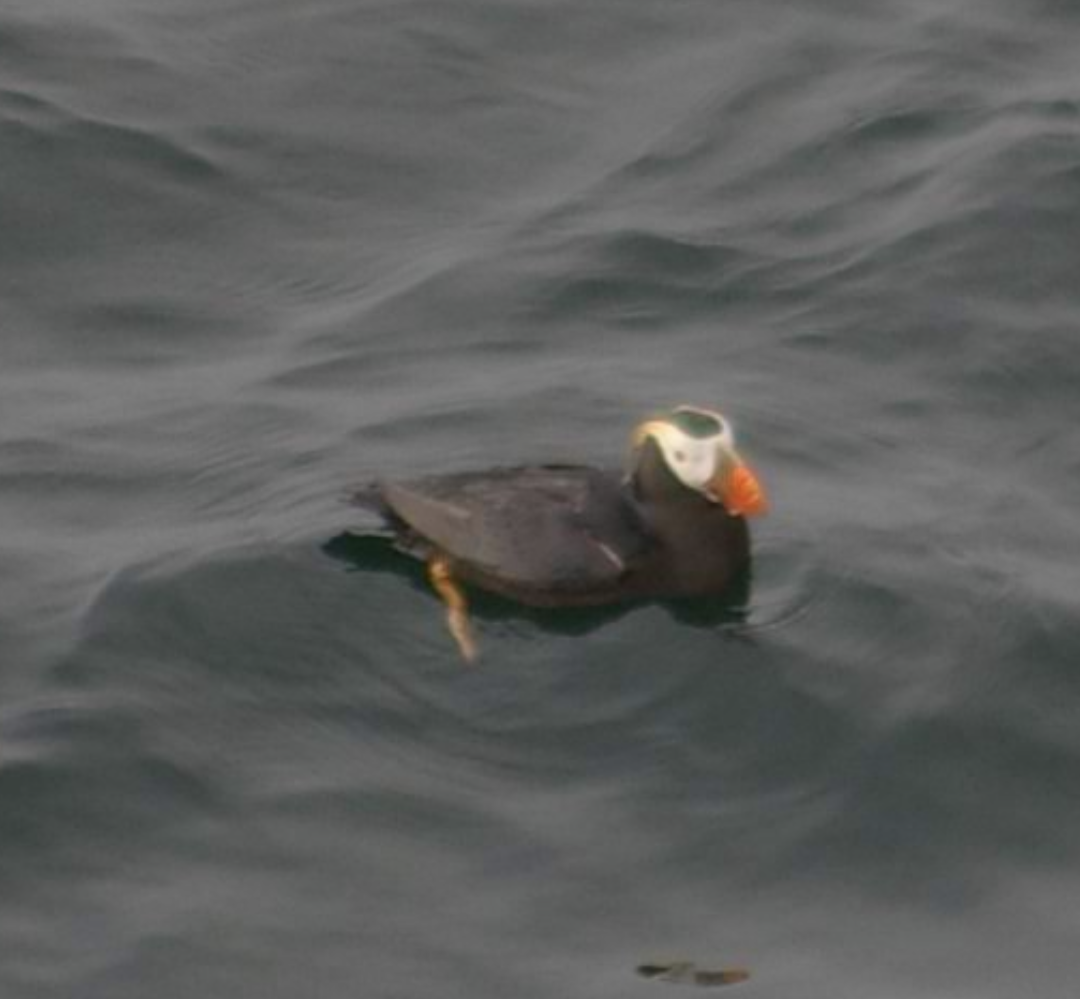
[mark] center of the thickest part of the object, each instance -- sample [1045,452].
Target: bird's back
[543,534]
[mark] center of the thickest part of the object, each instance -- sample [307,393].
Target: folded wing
[546,527]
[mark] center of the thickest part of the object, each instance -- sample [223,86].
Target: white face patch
[695,444]
[692,461]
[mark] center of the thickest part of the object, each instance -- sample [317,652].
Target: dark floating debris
[688,973]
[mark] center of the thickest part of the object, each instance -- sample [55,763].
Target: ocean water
[254,252]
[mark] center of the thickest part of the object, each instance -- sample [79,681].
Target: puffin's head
[697,447]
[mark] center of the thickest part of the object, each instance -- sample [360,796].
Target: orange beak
[741,492]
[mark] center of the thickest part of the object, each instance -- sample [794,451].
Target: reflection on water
[374,553]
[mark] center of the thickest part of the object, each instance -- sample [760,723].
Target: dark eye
[697,424]
[680,456]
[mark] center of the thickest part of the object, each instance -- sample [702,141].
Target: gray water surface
[252,253]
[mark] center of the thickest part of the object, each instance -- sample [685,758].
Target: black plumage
[564,535]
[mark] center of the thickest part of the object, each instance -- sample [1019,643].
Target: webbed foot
[457,607]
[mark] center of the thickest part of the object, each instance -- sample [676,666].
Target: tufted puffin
[673,526]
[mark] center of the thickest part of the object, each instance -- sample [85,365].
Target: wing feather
[565,527]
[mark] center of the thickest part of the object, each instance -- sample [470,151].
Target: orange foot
[457,607]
